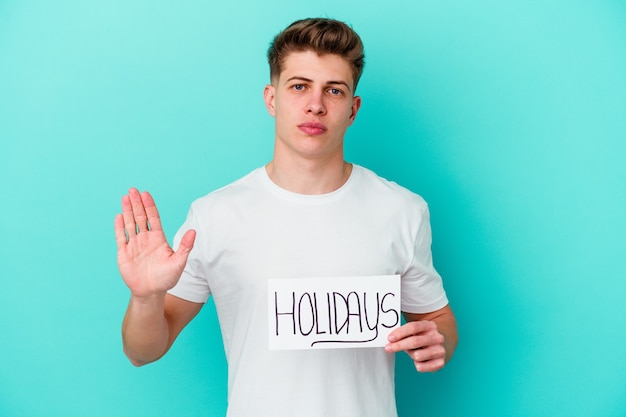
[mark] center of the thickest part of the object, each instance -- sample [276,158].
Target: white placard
[338,312]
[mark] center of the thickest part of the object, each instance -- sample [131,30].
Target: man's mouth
[312,128]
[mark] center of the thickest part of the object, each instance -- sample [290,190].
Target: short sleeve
[422,286]
[193,285]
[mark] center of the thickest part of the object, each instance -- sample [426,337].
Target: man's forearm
[145,331]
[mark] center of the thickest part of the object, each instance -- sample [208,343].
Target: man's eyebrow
[341,83]
[299,78]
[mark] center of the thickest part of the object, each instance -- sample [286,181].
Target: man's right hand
[146,261]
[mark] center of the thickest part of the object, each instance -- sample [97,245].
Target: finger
[434,352]
[429,359]
[186,244]
[128,216]
[139,212]
[120,232]
[154,220]
[411,328]
[417,334]
[409,343]
[184,248]
[432,365]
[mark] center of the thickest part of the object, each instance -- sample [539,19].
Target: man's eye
[335,91]
[298,87]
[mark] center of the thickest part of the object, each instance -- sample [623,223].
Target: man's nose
[315,104]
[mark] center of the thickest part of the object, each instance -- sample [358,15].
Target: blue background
[508,117]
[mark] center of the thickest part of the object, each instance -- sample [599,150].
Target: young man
[307,213]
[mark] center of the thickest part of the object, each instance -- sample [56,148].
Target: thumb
[186,244]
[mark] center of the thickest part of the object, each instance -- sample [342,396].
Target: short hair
[320,35]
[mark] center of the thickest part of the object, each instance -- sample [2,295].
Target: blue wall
[508,117]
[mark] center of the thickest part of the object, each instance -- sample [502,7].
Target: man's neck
[309,177]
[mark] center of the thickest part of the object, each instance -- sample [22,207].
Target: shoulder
[389,191]
[237,192]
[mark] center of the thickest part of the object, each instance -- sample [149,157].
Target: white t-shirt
[251,231]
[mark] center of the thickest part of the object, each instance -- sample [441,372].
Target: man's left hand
[423,343]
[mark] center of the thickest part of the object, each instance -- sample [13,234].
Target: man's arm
[429,339]
[149,267]
[152,324]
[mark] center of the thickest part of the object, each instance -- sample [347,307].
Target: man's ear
[356,105]
[269,96]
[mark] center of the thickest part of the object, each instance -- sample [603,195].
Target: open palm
[147,263]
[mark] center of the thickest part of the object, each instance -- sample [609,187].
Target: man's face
[313,103]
